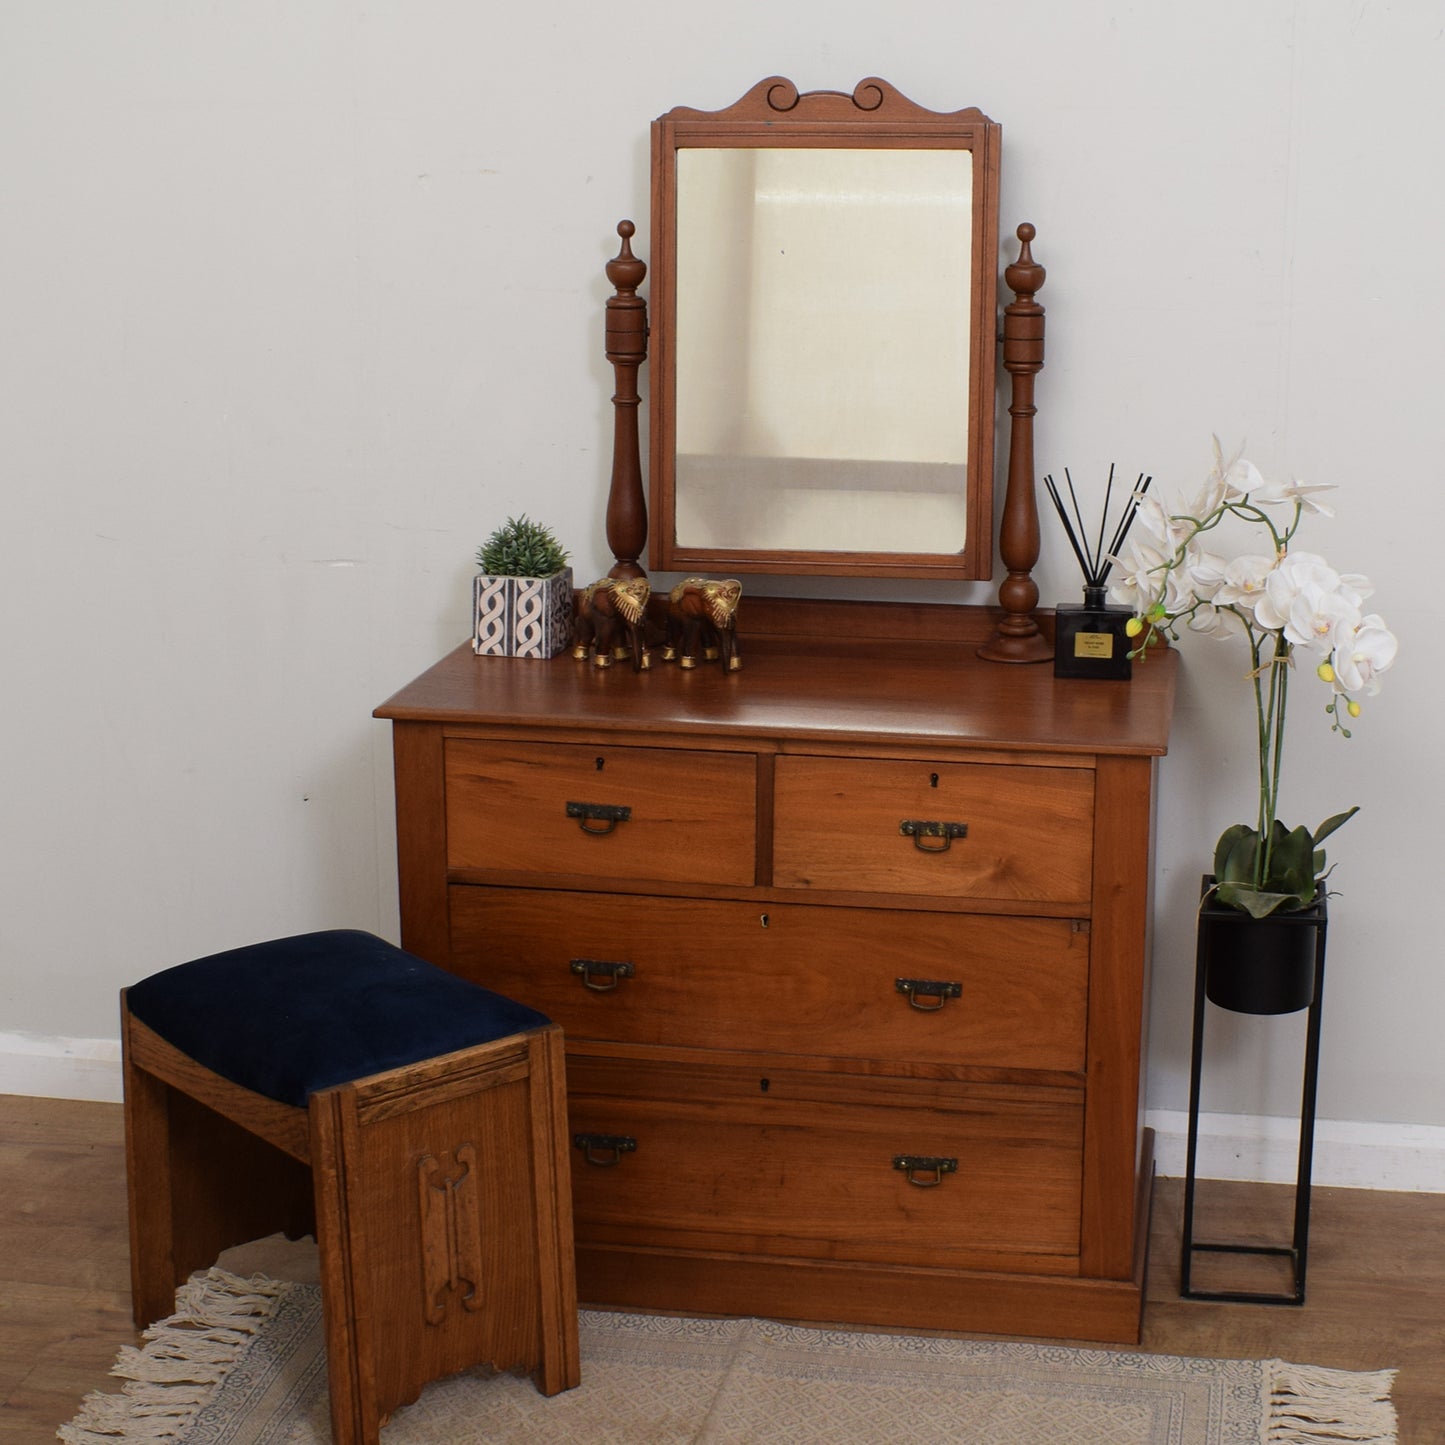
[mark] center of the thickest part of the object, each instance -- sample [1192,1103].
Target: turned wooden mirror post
[626,350]
[1018,638]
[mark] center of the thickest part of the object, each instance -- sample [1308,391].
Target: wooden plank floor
[1376,1288]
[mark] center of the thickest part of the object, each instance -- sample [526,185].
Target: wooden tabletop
[878,689]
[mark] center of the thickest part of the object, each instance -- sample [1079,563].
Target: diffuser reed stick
[1096,561]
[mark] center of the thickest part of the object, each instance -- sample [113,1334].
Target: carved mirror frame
[875,117]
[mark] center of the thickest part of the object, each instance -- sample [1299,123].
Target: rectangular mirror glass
[789,261]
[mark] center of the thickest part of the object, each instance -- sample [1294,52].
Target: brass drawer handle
[604,1150]
[610,814]
[924,1170]
[917,989]
[600,975]
[945,833]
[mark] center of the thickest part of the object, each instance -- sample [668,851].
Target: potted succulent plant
[522,597]
[1286,606]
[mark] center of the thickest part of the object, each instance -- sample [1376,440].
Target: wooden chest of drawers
[850,949]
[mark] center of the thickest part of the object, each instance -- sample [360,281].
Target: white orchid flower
[1358,586]
[1315,617]
[1140,579]
[1362,651]
[1294,575]
[1218,622]
[1244,581]
[1203,572]
[1152,524]
[1230,481]
[1273,493]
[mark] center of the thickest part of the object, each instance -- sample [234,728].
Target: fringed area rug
[242,1363]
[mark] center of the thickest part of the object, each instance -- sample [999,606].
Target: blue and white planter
[522,616]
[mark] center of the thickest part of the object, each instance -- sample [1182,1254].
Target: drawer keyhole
[933,780]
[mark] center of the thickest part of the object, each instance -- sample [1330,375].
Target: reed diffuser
[1091,641]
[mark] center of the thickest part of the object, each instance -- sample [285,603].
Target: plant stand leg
[1298,1251]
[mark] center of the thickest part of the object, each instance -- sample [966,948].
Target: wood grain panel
[1029,830]
[691,812]
[798,1165]
[706,973]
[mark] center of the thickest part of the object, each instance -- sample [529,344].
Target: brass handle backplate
[604,1150]
[609,814]
[916,990]
[925,1170]
[942,833]
[600,974]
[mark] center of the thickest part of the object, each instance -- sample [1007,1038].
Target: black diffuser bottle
[1093,640]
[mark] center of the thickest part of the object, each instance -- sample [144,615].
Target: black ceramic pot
[1259,965]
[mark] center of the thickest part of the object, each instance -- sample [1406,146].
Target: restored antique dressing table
[772,1122]
[851,946]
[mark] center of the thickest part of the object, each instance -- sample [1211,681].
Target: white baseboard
[1231,1146]
[60,1068]
[1408,1157]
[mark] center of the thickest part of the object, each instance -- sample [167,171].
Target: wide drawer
[797,978]
[816,1166]
[952,830]
[674,815]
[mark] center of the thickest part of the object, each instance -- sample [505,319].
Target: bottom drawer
[804,1164]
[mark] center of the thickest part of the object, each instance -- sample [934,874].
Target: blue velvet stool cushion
[295,1015]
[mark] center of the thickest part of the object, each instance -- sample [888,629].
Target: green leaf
[1330,824]
[1253,901]
[1293,851]
[1235,853]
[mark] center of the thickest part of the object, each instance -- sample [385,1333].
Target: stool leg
[153,1274]
[561,1367]
[345,1302]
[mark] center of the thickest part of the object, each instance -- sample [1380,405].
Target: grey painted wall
[303,298]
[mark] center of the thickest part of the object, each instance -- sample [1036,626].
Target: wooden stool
[415,1121]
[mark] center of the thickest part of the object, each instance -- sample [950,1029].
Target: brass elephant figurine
[610,620]
[703,614]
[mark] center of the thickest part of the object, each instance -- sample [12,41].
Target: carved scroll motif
[451,1234]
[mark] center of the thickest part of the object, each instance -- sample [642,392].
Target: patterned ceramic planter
[522,616]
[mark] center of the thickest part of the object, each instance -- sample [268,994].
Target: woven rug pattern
[659,1380]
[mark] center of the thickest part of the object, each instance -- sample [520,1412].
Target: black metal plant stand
[1297,1252]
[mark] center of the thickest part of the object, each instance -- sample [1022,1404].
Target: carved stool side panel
[432,1178]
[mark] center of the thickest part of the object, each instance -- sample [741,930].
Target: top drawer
[949,830]
[673,815]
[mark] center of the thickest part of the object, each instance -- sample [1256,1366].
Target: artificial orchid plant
[1284,603]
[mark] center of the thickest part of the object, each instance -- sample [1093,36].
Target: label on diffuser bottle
[1093,644]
